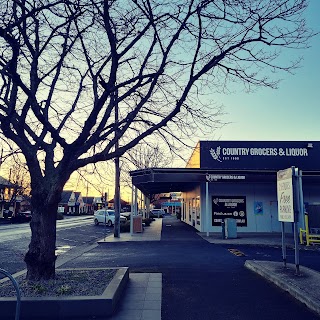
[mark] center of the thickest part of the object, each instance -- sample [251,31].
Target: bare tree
[68,66]
[148,155]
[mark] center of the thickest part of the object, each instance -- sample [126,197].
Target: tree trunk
[40,258]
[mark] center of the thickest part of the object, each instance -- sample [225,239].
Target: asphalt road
[200,280]
[308,256]
[72,233]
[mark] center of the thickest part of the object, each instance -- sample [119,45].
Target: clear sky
[291,112]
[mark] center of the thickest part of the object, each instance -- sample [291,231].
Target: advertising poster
[258,207]
[229,207]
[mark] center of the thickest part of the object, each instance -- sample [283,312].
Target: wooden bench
[309,236]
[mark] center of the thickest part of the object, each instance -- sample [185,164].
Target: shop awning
[161,180]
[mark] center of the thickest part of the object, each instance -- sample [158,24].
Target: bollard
[223,225]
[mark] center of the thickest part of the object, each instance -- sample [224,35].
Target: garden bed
[75,294]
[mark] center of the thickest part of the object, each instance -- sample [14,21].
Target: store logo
[215,201]
[215,154]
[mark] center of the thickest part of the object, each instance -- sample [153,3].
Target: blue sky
[289,113]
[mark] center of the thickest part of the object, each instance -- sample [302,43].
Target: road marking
[71,240]
[62,249]
[236,252]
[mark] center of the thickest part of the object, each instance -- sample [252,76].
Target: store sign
[229,207]
[171,204]
[223,177]
[285,195]
[259,155]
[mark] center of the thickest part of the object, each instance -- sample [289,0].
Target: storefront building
[236,179]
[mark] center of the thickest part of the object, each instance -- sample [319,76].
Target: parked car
[107,217]
[127,215]
[7,214]
[157,213]
[24,216]
[123,219]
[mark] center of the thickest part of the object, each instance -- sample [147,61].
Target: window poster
[229,207]
[258,207]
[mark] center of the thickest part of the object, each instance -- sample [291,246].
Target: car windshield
[111,213]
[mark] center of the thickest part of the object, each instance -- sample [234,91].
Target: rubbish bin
[137,224]
[223,229]
[230,228]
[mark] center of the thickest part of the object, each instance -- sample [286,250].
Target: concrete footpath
[142,299]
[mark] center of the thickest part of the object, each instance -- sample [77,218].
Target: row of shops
[238,180]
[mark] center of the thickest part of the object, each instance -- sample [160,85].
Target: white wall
[262,192]
[191,208]
[265,193]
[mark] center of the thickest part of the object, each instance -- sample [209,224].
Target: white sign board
[285,195]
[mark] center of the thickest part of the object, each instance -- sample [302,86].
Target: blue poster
[258,207]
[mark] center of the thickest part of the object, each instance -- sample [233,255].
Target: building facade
[241,183]
[238,180]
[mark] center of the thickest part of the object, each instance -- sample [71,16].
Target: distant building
[88,205]
[7,194]
[124,205]
[71,203]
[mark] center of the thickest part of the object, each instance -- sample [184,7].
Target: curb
[299,287]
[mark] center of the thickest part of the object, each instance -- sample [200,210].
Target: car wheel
[96,222]
[109,223]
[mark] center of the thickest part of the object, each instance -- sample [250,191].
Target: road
[308,257]
[72,233]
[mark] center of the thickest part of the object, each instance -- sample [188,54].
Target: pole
[142,205]
[302,220]
[117,204]
[145,206]
[105,225]
[87,208]
[296,248]
[284,253]
[296,219]
[135,201]
[207,207]
[132,210]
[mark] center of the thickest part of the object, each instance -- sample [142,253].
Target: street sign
[285,195]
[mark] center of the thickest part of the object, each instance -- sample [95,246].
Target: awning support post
[207,207]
